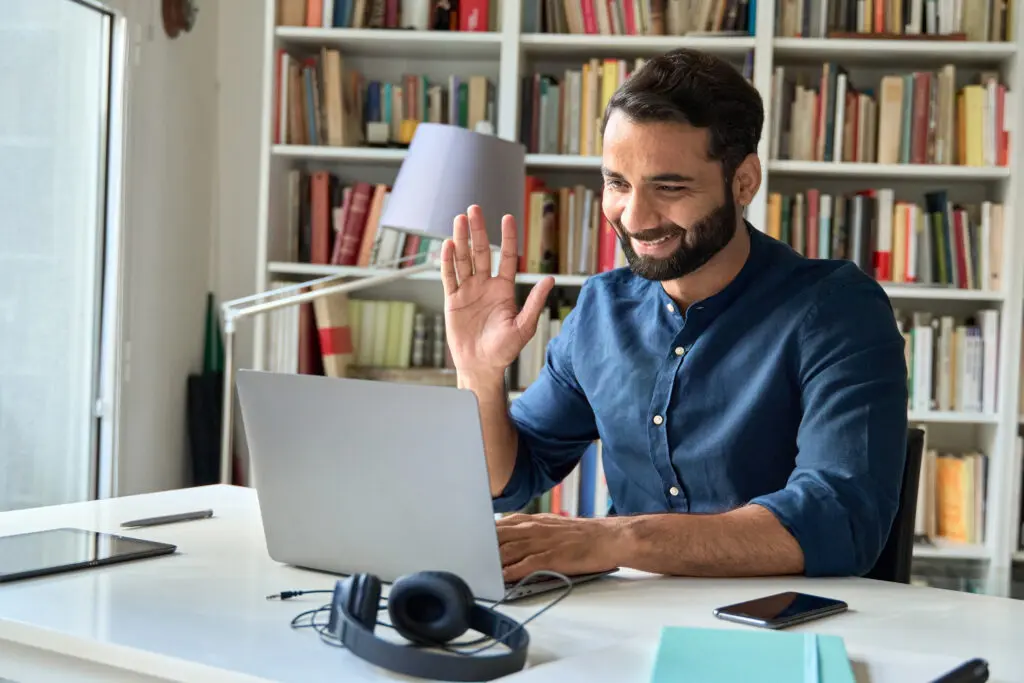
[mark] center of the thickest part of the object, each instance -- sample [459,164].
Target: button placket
[660,444]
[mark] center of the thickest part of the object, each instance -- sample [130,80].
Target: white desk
[201,615]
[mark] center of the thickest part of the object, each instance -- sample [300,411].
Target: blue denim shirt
[787,389]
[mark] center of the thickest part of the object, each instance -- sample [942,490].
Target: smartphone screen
[781,609]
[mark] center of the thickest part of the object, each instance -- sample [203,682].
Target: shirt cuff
[518,492]
[820,526]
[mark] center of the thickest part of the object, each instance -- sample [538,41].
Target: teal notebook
[711,655]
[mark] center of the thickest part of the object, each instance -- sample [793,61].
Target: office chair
[893,564]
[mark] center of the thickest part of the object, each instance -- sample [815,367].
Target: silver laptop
[369,476]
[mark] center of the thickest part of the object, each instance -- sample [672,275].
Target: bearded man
[751,402]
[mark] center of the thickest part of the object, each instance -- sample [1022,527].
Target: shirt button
[679,350]
[658,419]
[674,491]
[670,307]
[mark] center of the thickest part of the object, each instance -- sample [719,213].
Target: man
[751,402]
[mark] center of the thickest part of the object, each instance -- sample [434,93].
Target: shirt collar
[756,258]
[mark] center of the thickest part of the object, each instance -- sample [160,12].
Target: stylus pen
[169,519]
[972,671]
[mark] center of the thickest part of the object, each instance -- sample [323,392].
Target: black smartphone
[781,610]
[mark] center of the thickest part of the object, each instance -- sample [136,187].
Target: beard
[697,244]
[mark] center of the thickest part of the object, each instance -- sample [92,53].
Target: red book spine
[589,20]
[811,228]
[473,15]
[627,11]
[410,248]
[320,217]
[606,247]
[352,238]
[315,13]
[391,14]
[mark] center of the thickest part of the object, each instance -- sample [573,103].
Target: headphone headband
[360,640]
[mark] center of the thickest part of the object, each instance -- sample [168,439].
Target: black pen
[972,671]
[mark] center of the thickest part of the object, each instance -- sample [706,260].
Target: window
[61,72]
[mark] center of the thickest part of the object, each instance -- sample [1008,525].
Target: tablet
[54,551]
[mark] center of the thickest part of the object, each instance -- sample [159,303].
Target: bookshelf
[512,48]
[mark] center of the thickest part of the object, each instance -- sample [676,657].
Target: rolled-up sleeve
[841,499]
[554,421]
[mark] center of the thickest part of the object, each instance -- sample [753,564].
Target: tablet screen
[54,550]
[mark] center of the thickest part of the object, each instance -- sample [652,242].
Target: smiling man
[751,402]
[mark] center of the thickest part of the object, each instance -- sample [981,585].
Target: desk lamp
[447,169]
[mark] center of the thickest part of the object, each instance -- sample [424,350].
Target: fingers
[526,321]
[526,566]
[460,237]
[508,533]
[448,280]
[480,244]
[514,518]
[516,551]
[509,263]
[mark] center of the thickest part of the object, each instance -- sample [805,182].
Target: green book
[712,655]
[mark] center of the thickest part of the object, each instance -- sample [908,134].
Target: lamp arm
[231,313]
[228,308]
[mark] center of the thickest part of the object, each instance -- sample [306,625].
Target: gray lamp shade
[449,168]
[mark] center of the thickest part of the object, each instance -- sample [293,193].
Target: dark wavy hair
[702,90]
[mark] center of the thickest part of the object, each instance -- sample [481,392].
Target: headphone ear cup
[364,599]
[430,608]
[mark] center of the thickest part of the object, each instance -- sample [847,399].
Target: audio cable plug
[288,595]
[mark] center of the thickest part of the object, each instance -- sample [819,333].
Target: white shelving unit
[506,54]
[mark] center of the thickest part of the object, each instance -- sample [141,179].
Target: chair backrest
[893,564]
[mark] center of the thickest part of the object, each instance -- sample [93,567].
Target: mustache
[650,234]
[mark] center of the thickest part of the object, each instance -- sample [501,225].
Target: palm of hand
[481,317]
[485,329]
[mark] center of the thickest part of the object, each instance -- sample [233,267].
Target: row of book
[977,20]
[530,362]
[320,102]
[952,361]
[422,15]
[562,113]
[919,117]
[952,496]
[329,222]
[339,336]
[639,17]
[942,243]
[565,232]
[987,20]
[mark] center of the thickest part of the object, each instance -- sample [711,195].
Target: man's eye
[671,188]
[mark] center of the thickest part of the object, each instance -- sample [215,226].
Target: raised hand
[485,328]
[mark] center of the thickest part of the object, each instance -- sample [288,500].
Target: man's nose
[638,214]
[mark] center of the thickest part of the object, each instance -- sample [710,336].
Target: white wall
[172,143]
[240,76]
[192,192]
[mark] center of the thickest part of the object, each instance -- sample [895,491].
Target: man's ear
[747,180]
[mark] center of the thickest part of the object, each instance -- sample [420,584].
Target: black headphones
[429,608]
